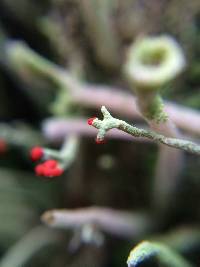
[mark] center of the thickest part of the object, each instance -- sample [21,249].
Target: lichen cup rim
[153,61]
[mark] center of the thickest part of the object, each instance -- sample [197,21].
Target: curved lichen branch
[110,122]
[163,255]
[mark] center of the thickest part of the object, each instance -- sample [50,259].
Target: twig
[109,122]
[120,223]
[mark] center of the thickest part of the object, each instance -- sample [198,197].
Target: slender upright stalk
[152,62]
[97,16]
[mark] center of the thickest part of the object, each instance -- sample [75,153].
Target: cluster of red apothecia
[90,122]
[49,168]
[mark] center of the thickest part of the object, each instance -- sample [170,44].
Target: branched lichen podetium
[110,122]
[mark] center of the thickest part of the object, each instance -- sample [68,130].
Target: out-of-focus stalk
[153,62]
[97,16]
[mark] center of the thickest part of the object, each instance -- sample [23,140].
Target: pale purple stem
[124,103]
[119,223]
[114,99]
[57,129]
[186,118]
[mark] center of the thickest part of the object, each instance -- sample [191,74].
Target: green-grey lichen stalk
[110,122]
[153,62]
[163,255]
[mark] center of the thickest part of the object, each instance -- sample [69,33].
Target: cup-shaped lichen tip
[154,61]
